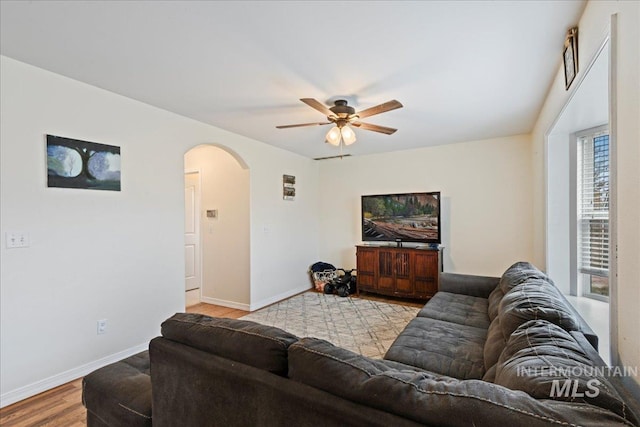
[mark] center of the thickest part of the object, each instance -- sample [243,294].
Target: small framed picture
[570,57]
[289,193]
[288,187]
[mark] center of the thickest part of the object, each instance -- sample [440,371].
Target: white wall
[284,234]
[559,210]
[485,185]
[593,28]
[117,255]
[224,187]
[628,185]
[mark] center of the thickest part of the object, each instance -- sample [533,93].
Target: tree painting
[72,163]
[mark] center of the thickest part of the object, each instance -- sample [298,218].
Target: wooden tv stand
[397,271]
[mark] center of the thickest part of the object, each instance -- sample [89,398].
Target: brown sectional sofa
[482,352]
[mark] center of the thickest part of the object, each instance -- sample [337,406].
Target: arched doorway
[217,258]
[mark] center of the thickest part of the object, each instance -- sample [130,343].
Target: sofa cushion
[427,398]
[546,362]
[490,374]
[518,273]
[243,341]
[494,344]
[441,347]
[457,308]
[494,303]
[535,299]
[119,394]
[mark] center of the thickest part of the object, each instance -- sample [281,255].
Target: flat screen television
[409,217]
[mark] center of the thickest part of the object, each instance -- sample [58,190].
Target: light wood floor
[62,406]
[216,311]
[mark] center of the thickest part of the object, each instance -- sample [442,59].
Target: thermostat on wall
[212,213]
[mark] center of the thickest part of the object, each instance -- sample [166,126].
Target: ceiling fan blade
[382,108]
[314,103]
[375,128]
[303,124]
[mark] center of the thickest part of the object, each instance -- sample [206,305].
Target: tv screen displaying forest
[412,217]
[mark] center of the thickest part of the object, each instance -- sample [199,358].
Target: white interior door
[192,272]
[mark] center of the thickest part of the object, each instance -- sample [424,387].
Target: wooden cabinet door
[366,268]
[402,264]
[386,270]
[426,273]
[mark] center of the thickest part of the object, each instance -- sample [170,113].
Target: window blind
[593,204]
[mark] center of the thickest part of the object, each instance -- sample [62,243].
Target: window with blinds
[593,205]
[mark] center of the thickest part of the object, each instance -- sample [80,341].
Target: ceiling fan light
[348,135]
[333,136]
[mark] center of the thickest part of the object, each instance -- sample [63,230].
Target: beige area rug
[362,326]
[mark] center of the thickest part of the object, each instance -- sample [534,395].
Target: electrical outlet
[102,326]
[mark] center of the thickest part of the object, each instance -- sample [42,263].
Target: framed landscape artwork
[72,163]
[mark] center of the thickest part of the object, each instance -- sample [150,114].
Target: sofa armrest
[588,333]
[466,284]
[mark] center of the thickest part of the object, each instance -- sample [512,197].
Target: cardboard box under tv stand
[398,271]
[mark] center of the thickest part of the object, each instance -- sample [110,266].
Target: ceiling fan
[343,115]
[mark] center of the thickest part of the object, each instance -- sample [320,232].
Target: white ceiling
[463,70]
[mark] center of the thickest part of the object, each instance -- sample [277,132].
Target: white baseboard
[258,305]
[277,298]
[225,303]
[32,389]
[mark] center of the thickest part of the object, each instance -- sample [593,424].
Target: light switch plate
[17,239]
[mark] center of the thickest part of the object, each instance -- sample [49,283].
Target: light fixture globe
[333,136]
[348,135]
